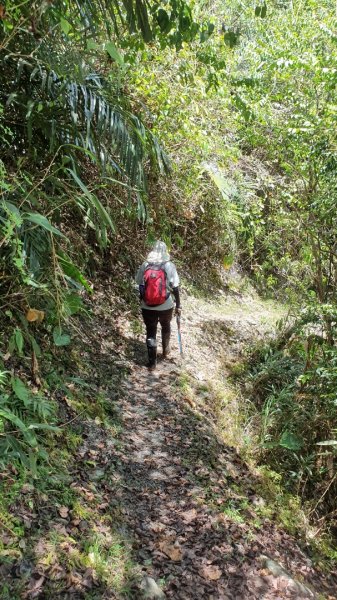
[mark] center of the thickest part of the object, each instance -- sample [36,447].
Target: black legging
[151,319]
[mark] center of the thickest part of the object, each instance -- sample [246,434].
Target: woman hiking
[158,281]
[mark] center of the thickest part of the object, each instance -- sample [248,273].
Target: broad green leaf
[92,45]
[231,38]
[65,25]
[44,427]
[163,20]
[12,208]
[12,344]
[19,341]
[35,346]
[60,338]
[33,463]
[15,420]
[290,441]
[21,391]
[42,221]
[211,28]
[73,272]
[113,53]
[72,304]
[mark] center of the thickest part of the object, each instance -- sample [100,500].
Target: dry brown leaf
[173,552]
[35,585]
[189,401]
[35,369]
[189,214]
[189,515]
[89,495]
[156,526]
[27,488]
[211,572]
[63,512]
[7,356]
[34,315]
[2,11]
[56,572]
[40,548]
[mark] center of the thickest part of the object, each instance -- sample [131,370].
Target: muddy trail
[161,505]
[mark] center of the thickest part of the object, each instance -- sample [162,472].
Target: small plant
[233,513]
[24,414]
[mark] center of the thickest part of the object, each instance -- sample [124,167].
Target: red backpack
[155,292]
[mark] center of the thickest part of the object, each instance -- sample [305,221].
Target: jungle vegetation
[210,125]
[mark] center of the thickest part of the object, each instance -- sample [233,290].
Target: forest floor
[150,496]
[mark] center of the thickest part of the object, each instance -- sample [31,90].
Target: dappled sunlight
[205,129]
[190,500]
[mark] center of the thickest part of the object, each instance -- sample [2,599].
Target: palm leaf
[81,16]
[85,119]
[12,418]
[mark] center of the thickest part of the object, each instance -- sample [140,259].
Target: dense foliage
[287,89]
[242,98]
[70,143]
[249,116]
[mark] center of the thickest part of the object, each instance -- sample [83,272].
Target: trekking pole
[179,336]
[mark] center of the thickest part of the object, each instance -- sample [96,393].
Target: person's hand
[177,312]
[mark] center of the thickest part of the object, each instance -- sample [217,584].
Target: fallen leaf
[151,589]
[232,569]
[40,548]
[173,552]
[35,585]
[211,572]
[63,512]
[56,573]
[27,488]
[27,521]
[61,530]
[189,515]
[34,315]
[156,526]
[90,496]
[7,356]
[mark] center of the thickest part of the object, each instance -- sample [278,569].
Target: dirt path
[190,502]
[146,495]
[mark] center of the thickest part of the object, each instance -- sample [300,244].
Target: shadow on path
[190,503]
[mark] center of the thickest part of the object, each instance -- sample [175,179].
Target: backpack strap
[156,266]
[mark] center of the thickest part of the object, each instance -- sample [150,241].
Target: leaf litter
[165,484]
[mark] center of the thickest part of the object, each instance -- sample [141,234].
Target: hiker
[158,280]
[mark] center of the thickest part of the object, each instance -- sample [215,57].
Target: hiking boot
[166,345]
[152,353]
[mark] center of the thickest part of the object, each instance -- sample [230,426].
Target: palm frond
[82,114]
[148,18]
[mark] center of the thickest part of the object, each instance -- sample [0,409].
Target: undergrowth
[53,513]
[291,381]
[276,408]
